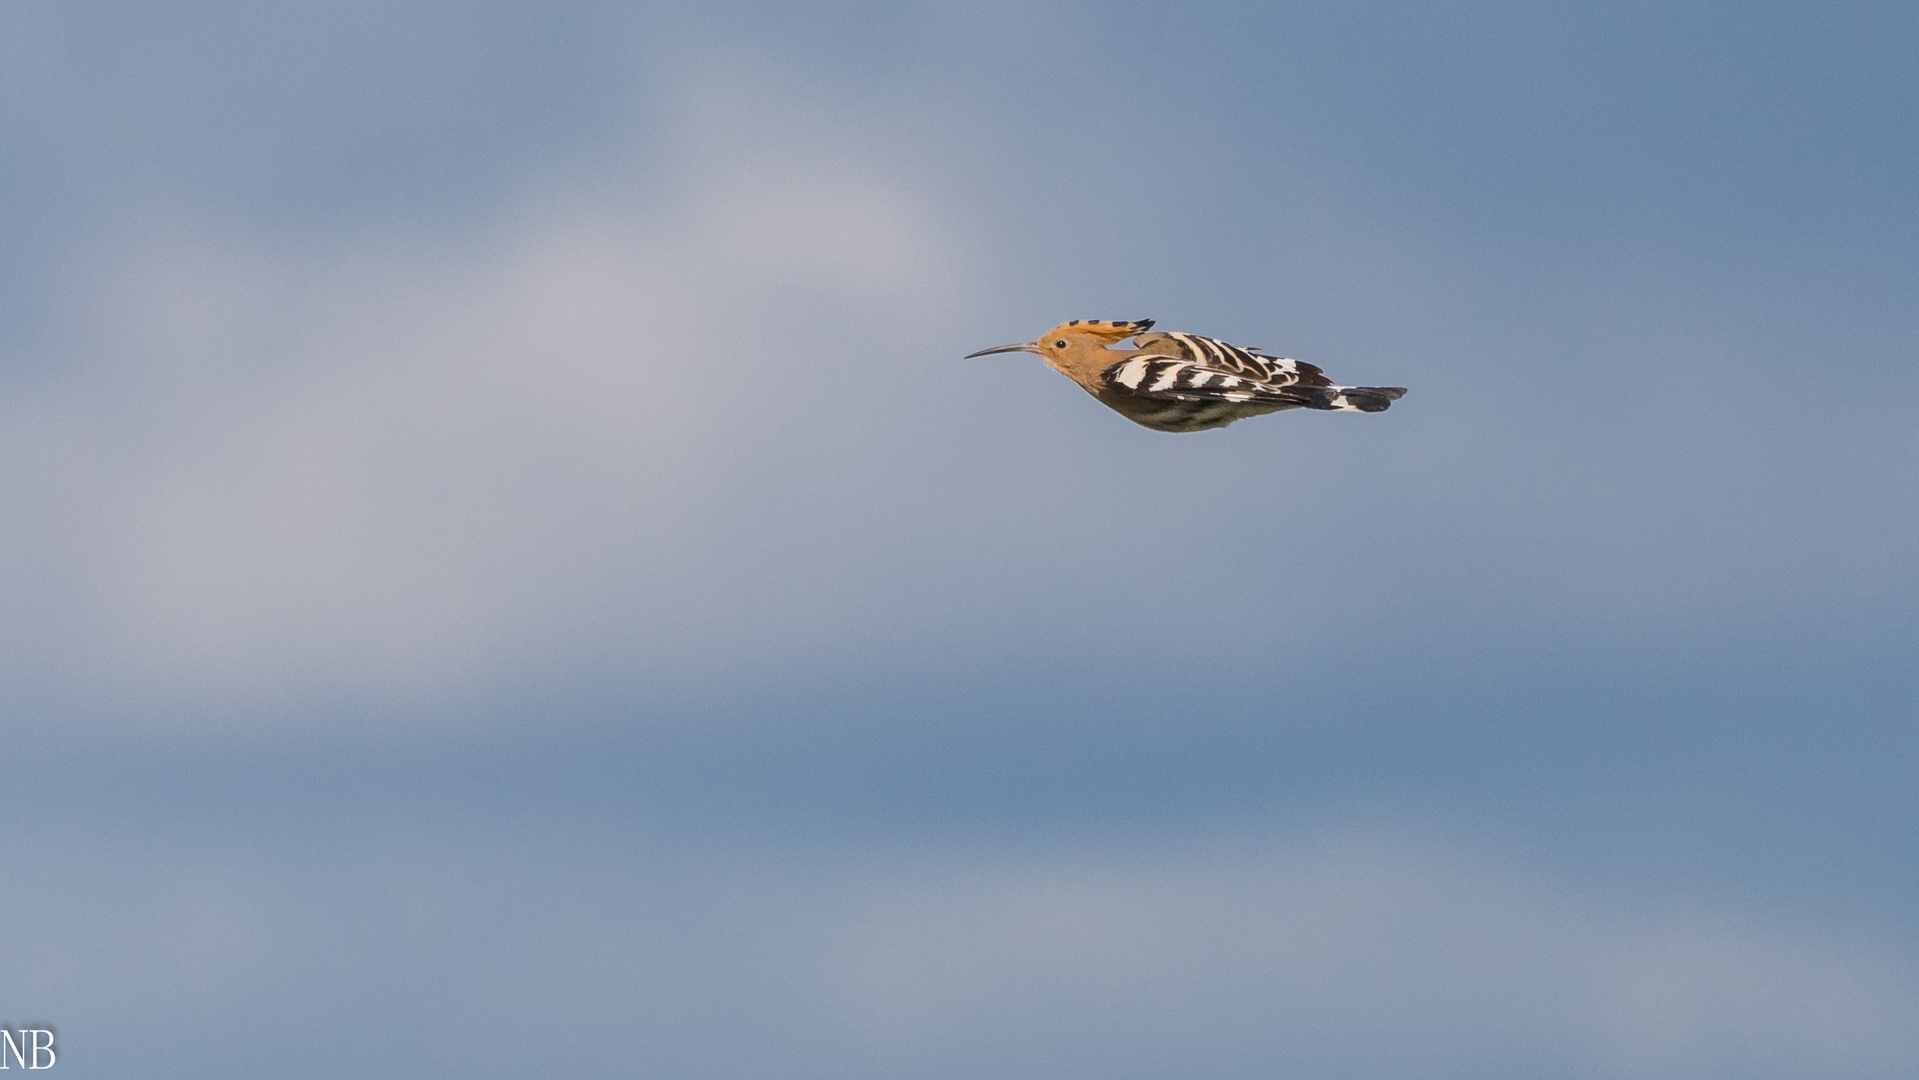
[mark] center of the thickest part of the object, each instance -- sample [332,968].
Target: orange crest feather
[1107,331]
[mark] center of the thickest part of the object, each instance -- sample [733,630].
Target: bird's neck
[1083,363]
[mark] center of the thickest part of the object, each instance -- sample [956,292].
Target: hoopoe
[1184,382]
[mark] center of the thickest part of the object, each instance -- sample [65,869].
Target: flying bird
[1184,382]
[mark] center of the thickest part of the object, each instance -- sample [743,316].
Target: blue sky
[506,570]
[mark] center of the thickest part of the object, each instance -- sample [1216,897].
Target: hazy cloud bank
[1349,953]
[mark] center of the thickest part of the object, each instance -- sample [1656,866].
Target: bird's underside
[1185,382]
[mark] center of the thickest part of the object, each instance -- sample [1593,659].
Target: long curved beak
[1024,346]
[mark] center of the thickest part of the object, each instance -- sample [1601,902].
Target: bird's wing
[1245,363]
[1171,378]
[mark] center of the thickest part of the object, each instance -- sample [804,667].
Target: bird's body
[1184,382]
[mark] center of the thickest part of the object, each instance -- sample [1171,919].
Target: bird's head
[1080,335]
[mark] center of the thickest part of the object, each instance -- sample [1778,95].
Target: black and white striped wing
[1171,378]
[1222,356]
[1166,393]
[1170,394]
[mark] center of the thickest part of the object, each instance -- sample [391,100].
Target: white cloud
[412,464]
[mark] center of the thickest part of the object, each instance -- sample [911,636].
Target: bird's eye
[1059,344]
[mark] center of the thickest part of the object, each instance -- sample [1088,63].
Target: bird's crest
[1107,331]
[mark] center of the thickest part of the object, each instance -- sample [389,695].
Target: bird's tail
[1349,398]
